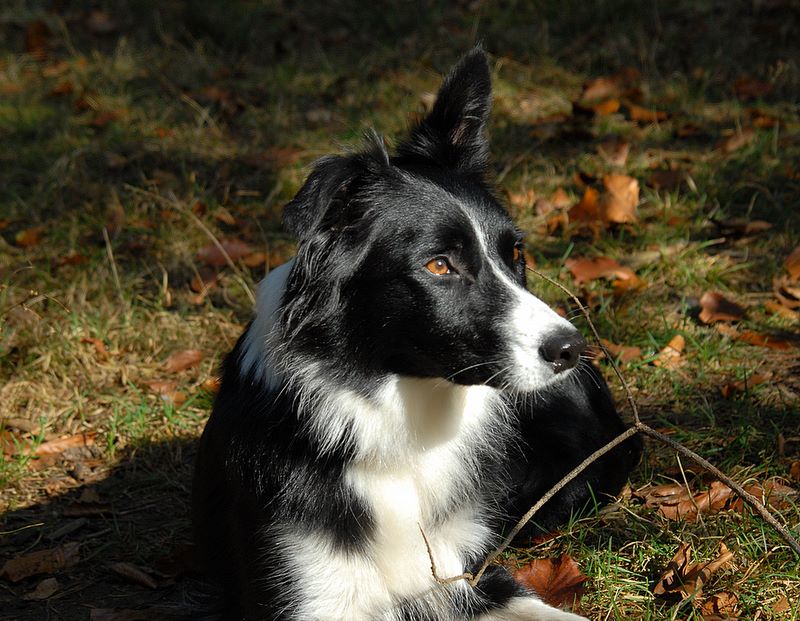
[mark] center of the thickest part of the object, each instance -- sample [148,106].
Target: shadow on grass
[137,512]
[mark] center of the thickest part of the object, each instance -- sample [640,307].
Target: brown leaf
[623,353]
[588,209]
[782,605]
[134,574]
[600,88]
[211,384]
[667,180]
[736,141]
[614,151]
[44,590]
[618,202]
[684,579]
[37,39]
[743,385]
[99,347]
[54,447]
[772,493]
[558,581]
[715,307]
[641,114]
[585,270]
[606,107]
[671,355]
[723,606]
[676,502]
[746,87]
[794,470]
[29,237]
[769,341]
[786,292]
[792,264]
[41,562]
[182,360]
[234,248]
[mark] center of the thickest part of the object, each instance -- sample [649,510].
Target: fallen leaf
[667,180]
[99,347]
[723,606]
[743,385]
[71,259]
[671,355]
[618,202]
[213,255]
[782,605]
[614,151]
[746,87]
[769,341]
[41,562]
[641,114]
[588,208]
[684,579]
[715,307]
[794,471]
[558,581]
[773,308]
[676,502]
[605,108]
[29,237]
[182,360]
[786,292]
[256,259]
[792,264]
[44,590]
[37,36]
[134,574]
[212,384]
[54,447]
[585,270]
[600,88]
[623,353]
[772,493]
[736,141]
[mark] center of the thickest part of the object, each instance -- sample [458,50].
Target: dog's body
[398,378]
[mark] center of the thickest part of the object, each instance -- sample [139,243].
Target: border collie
[398,377]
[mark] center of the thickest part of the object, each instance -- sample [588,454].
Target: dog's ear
[324,199]
[453,134]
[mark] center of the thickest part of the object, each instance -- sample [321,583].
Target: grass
[181,113]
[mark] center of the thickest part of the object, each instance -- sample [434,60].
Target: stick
[638,427]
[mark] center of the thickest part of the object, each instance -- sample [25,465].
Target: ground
[136,136]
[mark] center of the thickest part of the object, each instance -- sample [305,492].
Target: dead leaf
[600,88]
[44,590]
[29,237]
[684,579]
[794,470]
[736,141]
[182,360]
[792,264]
[558,581]
[605,108]
[168,389]
[614,151]
[641,114]
[782,605]
[667,180]
[623,353]
[676,502]
[618,202]
[41,562]
[588,208]
[212,384]
[213,255]
[134,574]
[55,447]
[743,385]
[99,347]
[723,606]
[37,39]
[769,341]
[585,270]
[715,307]
[746,87]
[772,493]
[671,356]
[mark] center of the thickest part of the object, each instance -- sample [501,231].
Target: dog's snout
[562,350]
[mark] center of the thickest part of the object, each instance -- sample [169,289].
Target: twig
[111,260]
[638,427]
[465,576]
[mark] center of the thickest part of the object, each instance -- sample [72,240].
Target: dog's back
[398,379]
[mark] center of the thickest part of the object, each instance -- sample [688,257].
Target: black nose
[562,349]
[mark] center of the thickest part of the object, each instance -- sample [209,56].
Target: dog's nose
[562,349]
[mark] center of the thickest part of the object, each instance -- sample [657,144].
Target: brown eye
[517,255]
[438,266]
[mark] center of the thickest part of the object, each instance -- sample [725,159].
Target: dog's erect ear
[324,199]
[453,134]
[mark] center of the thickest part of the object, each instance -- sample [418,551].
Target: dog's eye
[438,266]
[517,254]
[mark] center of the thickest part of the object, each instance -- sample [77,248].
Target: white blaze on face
[528,325]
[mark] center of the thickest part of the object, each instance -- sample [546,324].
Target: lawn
[140,137]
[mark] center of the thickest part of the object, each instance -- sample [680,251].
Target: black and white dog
[398,376]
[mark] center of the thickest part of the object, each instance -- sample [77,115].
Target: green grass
[218,113]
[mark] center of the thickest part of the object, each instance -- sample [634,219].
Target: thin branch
[465,576]
[638,427]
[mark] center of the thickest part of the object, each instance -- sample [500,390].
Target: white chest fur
[416,465]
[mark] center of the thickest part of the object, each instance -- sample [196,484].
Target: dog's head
[409,265]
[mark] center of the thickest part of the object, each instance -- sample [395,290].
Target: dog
[398,384]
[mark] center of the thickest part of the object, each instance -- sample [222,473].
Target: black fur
[358,310]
